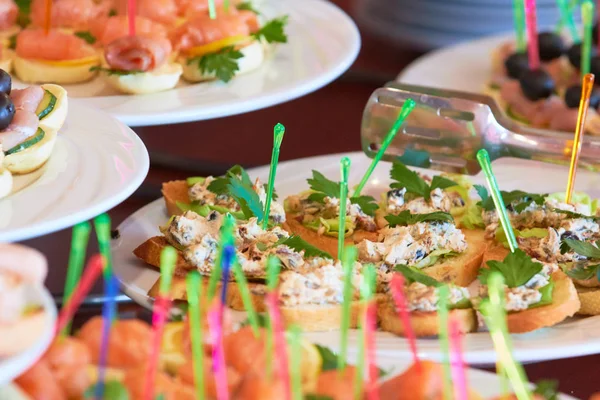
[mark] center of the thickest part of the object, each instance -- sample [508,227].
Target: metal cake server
[446,129]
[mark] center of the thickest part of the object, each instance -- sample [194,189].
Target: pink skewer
[215,326]
[370,327]
[159,318]
[397,287]
[457,363]
[280,342]
[532,37]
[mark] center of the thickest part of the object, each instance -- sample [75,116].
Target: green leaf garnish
[329,358]
[262,319]
[575,215]
[298,244]
[247,6]
[223,63]
[482,192]
[110,71]
[546,388]
[273,31]
[87,36]
[585,249]
[113,390]
[219,185]
[521,198]
[517,269]
[12,42]
[405,218]
[583,273]
[247,198]
[414,275]
[323,187]
[413,183]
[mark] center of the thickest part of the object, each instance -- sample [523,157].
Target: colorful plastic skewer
[443,300]
[532,37]
[345,170]
[278,133]
[194,290]
[397,288]
[109,313]
[102,225]
[459,376]
[348,260]
[587,15]
[519,21]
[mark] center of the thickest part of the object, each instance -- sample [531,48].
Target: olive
[573,95]
[551,46]
[536,84]
[574,55]
[7,111]
[568,235]
[5,82]
[516,64]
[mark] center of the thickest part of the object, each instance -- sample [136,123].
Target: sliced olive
[5,82]
[516,64]
[537,84]
[551,46]
[573,95]
[7,111]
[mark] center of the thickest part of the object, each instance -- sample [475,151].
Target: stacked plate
[428,24]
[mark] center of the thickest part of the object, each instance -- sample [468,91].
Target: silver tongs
[447,127]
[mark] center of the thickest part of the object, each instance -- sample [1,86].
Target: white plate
[466,67]
[569,339]
[97,163]
[14,366]
[323,43]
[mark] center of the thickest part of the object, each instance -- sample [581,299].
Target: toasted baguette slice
[462,269]
[423,323]
[565,302]
[589,299]
[150,250]
[323,242]
[174,191]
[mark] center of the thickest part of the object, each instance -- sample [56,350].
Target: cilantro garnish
[413,183]
[548,389]
[272,31]
[298,244]
[585,249]
[110,71]
[112,390]
[583,273]
[414,275]
[517,269]
[323,187]
[247,6]
[223,63]
[87,36]
[329,358]
[247,198]
[521,198]
[572,214]
[405,218]
[219,185]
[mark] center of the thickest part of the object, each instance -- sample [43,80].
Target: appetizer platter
[535,77]
[60,163]
[183,62]
[28,311]
[458,261]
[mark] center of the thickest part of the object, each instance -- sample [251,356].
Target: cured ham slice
[23,126]
[137,53]
[27,99]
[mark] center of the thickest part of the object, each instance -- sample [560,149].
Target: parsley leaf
[583,248]
[482,192]
[583,273]
[247,198]
[272,31]
[414,275]
[546,388]
[572,214]
[247,6]
[298,244]
[413,183]
[219,185]
[112,390]
[110,71]
[517,268]
[223,63]
[323,187]
[329,358]
[87,36]
[405,218]
[441,182]
[523,199]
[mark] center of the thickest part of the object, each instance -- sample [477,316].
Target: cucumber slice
[46,105]
[39,135]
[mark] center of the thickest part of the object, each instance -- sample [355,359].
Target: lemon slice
[171,356]
[72,63]
[216,45]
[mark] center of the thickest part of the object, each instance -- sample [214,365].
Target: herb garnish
[405,218]
[521,198]
[223,63]
[546,388]
[517,268]
[298,244]
[574,215]
[273,31]
[247,198]
[247,6]
[413,183]
[112,390]
[323,187]
[12,42]
[110,71]
[588,250]
[87,36]
[585,249]
[414,275]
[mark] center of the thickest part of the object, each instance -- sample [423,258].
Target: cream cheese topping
[422,298]
[440,200]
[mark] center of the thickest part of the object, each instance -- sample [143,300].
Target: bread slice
[462,269]
[174,191]
[565,302]
[423,323]
[150,250]
[324,242]
[589,299]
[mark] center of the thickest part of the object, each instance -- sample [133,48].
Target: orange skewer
[48,19]
[586,91]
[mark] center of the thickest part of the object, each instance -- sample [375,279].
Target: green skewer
[345,169]
[195,289]
[273,268]
[348,260]
[444,295]
[79,242]
[587,15]
[168,259]
[295,362]
[212,10]
[407,107]
[278,132]
[495,317]
[519,20]
[484,160]
[566,19]
[242,282]
[102,225]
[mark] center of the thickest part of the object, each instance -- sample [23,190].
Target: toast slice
[423,323]
[565,301]
[324,242]
[589,299]
[462,269]
[174,191]
[150,250]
